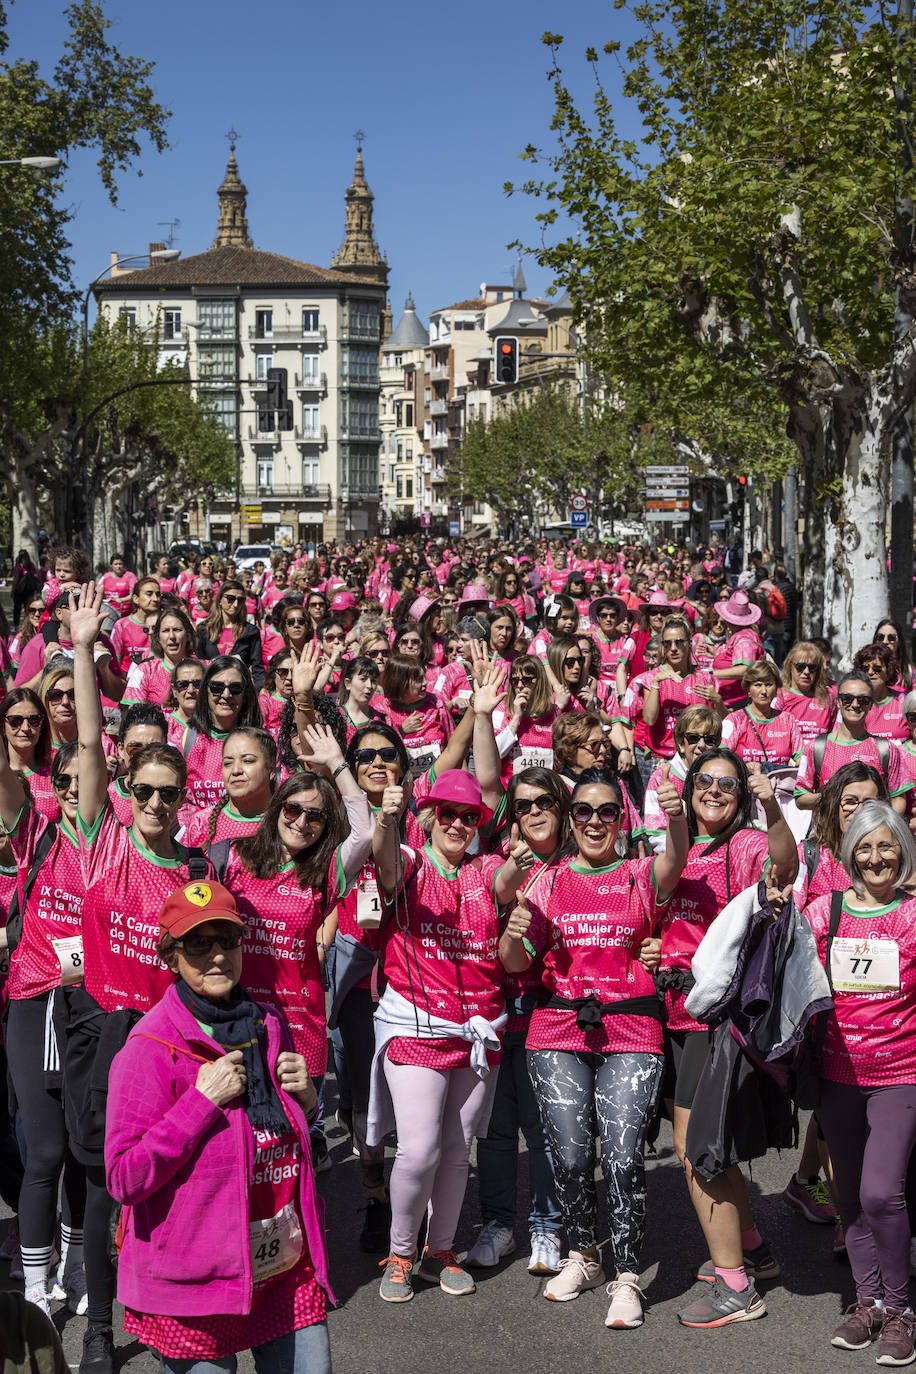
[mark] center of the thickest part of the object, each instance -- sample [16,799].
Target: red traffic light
[506,348]
[742,481]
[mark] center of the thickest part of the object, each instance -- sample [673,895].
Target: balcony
[438,441]
[438,407]
[359,434]
[288,333]
[437,477]
[311,383]
[295,435]
[439,373]
[313,435]
[161,334]
[302,492]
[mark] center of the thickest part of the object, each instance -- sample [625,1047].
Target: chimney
[155,248]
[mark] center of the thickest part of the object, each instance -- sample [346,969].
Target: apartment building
[401,462]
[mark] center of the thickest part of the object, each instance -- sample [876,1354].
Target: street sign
[677,517]
[578,518]
[667,505]
[454,528]
[670,493]
[717,524]
[677,470]
[578,503]
[251,515]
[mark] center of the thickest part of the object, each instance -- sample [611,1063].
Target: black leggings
[610,1095]
[41,1113]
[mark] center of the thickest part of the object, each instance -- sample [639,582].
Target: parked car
[246,555]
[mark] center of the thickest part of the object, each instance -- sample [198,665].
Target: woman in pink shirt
[676,685]
[26,739]
[117,584]
[742,648]
[805,693]
[524,725]
[278,689]
[130,636]
[227,699]
[171,639]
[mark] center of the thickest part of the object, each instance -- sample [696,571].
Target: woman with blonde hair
[805,691]
[524,723]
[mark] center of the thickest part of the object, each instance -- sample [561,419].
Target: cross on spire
[233,138]
[359,138]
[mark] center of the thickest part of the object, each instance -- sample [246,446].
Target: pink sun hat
[739,609]
[460,789]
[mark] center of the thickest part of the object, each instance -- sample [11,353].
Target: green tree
[739,256]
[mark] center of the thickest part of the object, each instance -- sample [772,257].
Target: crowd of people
[459,821]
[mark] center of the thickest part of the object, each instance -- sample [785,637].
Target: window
[359,366]
[397,360]
[399,488]
[310,321]
[408,488]
[310,367]
[428,394]
[263,324]
[364,320]
[262,362]
[359,415]
[217,318]
[408,414]
[128,316]
[309,472]
[310,428]
[265,472]
[359,467]
[171,323]
[400,450]
[398,413]
[224,406]
[499,296]
[408,453]
[409,380]
[266,421]
[217,364]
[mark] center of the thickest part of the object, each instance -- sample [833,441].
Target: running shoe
[625,1311]
[71,1288]
[862,1324]
[494,1242]
[758,1264]
[38,1298]
[811,1199]
[577,1274]
[373,1238]
[545,1253]
[896,1342]
[442,1267]
[720,1305]
[98,1351]
[396,1285]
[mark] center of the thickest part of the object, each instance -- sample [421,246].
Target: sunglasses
[594,746]
[704,781]
[607,812]
[410,642]
[606,615]
[232,599]
[62,782]
[379,653]
[693,737]
[28,722]
[447,815]
[854,699]
[524,677]
[59,694]
[219,689]
[199,945]
[134,748]
[292,811]
[543,801]
[296,624]
[283,672]
[188,684]
[317,605]
[673,643]
[143,791]
[35,610]
[804,667]
[388,754]
[892,638]
[573,662]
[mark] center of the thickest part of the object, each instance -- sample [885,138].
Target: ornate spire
[359,251]
[232,227]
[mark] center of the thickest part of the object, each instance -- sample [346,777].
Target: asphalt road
[507,1327]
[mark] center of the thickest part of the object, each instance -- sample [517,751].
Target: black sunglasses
[292,811]
[30,722]
[62,782]
[854,699]
[695,737]
[187,684]
[198,945]
[543,801]
[58,694]
[143,791]
[388,754]
[219,689]
[607,812]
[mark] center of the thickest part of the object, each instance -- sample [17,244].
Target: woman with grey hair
[866,938]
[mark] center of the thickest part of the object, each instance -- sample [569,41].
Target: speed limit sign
[578,503]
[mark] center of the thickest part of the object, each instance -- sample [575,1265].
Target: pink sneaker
[812,1200]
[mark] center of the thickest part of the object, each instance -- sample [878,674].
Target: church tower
[359,253]
[232,228]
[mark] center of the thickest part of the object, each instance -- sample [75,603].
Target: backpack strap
[836,913]
[189,739]
[16,914]
[884,754]
[811,851]
[198,865]
[218,854]
[817,756]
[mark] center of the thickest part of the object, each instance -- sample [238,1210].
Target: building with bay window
[287,355]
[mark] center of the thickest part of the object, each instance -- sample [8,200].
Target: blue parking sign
[578,518]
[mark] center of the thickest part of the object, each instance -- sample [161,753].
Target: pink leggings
[437,1112]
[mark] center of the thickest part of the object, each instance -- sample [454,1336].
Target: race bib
[531,757]
[422,757]
[368,905]
[584,624]
[69,951]
[276,1243]
[865,965]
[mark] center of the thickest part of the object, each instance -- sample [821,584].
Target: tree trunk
[24,506]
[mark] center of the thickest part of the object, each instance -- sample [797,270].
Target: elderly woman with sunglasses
[26,738]
[676,685]
[227,631]
[595,1051]
[129,871]
[850,740]
[878,663]
[727,855]
[867,1104]
[40,968]
[227,699]
[182,698]
[208,1111]
[437,1023]
[537,807]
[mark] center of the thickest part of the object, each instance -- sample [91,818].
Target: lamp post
[37,164]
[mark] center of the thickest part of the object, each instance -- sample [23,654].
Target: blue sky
[448,97]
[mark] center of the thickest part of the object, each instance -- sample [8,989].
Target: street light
[38,164]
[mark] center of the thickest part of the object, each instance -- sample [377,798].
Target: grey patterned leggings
[609,1095]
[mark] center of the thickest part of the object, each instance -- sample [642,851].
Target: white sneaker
[71,1289]
[626,1296]
[38,1298]
[493,1244]
[577,1274]
[545,1253]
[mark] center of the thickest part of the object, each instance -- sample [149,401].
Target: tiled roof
[477,304]
[229,266]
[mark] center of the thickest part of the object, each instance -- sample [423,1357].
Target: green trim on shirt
[865,914]
[91,832]
[12,829]
[576,866]
[449,876]
[148,854]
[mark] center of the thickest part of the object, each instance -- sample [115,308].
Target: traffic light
[742,481]
[276,400]
[506,359]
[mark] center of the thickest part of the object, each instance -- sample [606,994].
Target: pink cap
[343,601]
[459,788]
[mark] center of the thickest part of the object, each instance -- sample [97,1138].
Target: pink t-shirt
[674,697]
[205,768]
[885,719]
[595,922]
[871,1035]
[739,650]
[130,641]
[150,679]
[533,745]
[425,744]
[613,651]
[272,708]
[838,752]
[43,794]
[812,717]
[126,886]
[280,958]
[656,820]
[53,910]
[762,741]
[117,590]
[829,875]
[230,825]
[704,651]
[708,883]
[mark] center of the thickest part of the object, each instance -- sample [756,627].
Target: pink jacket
[181,1165]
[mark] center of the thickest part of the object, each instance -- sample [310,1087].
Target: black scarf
[237,1024]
